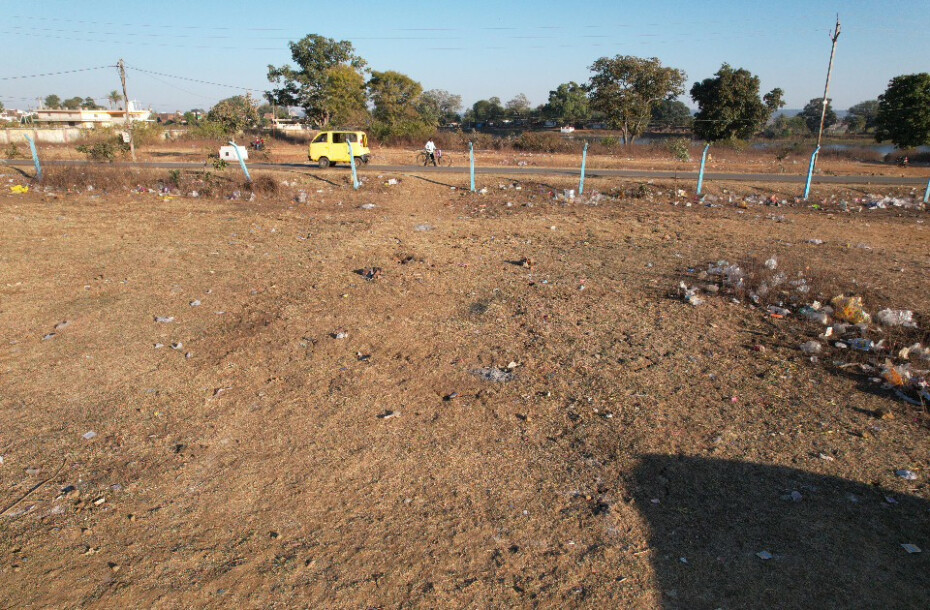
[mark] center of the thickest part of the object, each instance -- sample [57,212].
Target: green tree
[72,103]
[518,107]
[394,96]
[53,101]
[568,104]
[904,111]
[308,85]
[729,105]
[625,89]
[440,107]
[114,99]
[487,110]
[234,114]
[89,104]
[811,115]
[346,102]
[786,127]
[671,114]
[861,117]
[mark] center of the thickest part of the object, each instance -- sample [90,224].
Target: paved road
[529,171]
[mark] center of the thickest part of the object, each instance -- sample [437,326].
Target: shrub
[13,151]
[207,130]
[146,134]
[544,142]
[104,150]
[680,148]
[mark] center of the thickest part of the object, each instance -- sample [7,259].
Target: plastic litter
[911,548]
[89,435]
[811,348]
[896,317]
[493,374]
[764,555]
[907,475]
[814,315]
[862,345]
[850,309]
[19,189]
[164,319]
[771,264]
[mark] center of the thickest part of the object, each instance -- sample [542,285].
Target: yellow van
[331,147]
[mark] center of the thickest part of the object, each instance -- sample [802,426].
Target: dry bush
[545,142]
[860,154]
[264,185]
[76,177]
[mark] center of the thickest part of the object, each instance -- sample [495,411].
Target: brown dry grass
[259,470]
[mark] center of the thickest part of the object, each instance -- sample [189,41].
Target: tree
[440,107]
[72,103]
[114,99]
[811,115]
[53,101]
[626,88]
[861,117]
[787,127]
[234,113]
[904,111]
[729,105]
[519,106]
[90,104]
[487,110]
[568,104]
[1,107]
[346,102]
[671,114]
[309,84]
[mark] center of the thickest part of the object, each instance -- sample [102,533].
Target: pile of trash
[885,347]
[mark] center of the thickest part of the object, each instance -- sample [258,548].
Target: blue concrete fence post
[584,159]
[241,161]
[471,154]
[35,158]
[926,193]
[810,173]
[355,184]
[703,163]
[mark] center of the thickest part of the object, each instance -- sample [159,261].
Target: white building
[82,117]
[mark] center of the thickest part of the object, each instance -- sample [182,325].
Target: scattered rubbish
[389,415]
[689,295]
[48,336]
[61,325]
[764,555]
[423,228]
[907,475]
[816,242]
[368,206]
[451,396]
[860,344]
[911,548]
[825,457]
[302,197]
[392,182]
[89,435]
[177,346]
[771,264]
[494,375]
[778,312]
[811,348]
[483,191]
[339,334]
[194,303]
[896,317]
[370,273]
[159,345]
[849,309]
[19,189]
[164,320]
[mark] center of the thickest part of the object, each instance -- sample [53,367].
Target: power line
[55,73]
[193,80]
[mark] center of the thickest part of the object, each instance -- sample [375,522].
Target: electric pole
[826,89]
[122,77]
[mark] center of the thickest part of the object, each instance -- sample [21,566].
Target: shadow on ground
[837,545]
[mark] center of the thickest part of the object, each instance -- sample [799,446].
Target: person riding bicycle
[430,149]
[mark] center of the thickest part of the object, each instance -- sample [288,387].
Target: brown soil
[322,440]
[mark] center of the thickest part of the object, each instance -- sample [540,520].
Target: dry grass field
[446,400]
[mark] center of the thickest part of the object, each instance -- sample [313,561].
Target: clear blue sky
[476,49]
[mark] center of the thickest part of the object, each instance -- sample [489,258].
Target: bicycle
[441,159]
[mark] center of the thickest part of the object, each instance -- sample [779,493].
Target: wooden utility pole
[122,77]
[826,89]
